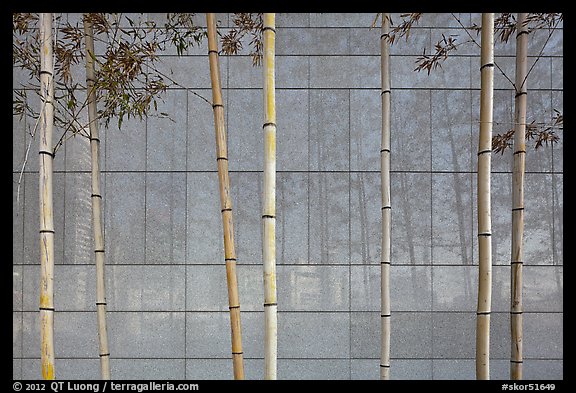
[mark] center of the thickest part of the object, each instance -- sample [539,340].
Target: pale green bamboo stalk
[225,198]
[386,203]
[97,228]
[46,158]
[269,201]
[517,259]
[484,202]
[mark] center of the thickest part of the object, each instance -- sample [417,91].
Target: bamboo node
[386,207]
[485,151]
[484,234]
[521,93]
[217,105]
[268,216]
[487,65]
[521,32]
[517,262]
[516,361]
[384,263]
[269,28]
[385,91]
[483,313]
[96,195]
[268,124]
[385,315]
[47,231]
[213,51]
[46,308]
[270,304]
[520,151]
[385,365]
[48,153]
[42,72]
[383,150]
[104,354]
[516,312]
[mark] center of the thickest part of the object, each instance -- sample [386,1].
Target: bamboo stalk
[386,203]
[269,201]
[484,202]
[46,157]
[225,199]
[97,228]
[518,197]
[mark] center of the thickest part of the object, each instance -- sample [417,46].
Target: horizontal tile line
[279,357]
[289,171]
[239,264]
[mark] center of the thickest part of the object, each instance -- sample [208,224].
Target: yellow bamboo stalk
[46,157]
[225,198]
[269,201]
[518,197]
[386,203]
[96,197]
[484,202]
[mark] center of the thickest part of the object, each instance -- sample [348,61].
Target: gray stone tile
[166,136]
[410,337]
[290,19]
[165,218]
[144,369]
[17,220]
[410,147]
[451,131]
[201,145]
[341,19]
[557,192]
[312,42]
[411,218]
[543,335]
[292,130]
[314,369]
[124,222]
[78,231]
[179,68]
[160,334]
[535,369]
[126,147]
[410,288]
[538,219]
[365,218]
[246,188]
[457,369]
[245,136]
[366,41]
[16,369]
[329,130]
[208,334]
[542,288]
[222,369]
[455,288]
[292,219]
[204,239]
[366,129]
[557,73]
[452,214]
[452,73]
[145,288]
[329,218]
[17,287]
[400,369]
[312,288]
[313,335]
[206,288]
[453,334]
[345,71]
[17,334]
[445,19]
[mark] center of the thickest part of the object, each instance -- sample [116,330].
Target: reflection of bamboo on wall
[96,201]
[484,204]
[46,158]
[386,207]
[269,201]
[518,197]
[225,199]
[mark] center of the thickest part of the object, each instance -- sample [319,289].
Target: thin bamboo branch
[269,201]
[46,157]
[518,198]
[386,203]
[225,198]
[484,203]
[97,228]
